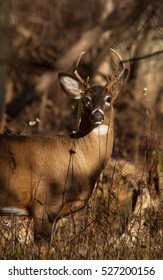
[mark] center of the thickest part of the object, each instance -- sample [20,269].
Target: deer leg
[42,247]
[42,237]
[43,229]
[43,240]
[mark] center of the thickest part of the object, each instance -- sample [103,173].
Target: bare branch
[143,57]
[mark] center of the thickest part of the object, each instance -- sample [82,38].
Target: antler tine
[121,62]
[76,71]
[107,80]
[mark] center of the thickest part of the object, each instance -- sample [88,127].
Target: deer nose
[97,116]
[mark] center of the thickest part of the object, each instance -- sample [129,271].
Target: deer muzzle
[97,116]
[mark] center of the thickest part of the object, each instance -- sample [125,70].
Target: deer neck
[97,139]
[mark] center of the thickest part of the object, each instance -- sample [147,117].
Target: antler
[121,63]
[110,82]
[77,75]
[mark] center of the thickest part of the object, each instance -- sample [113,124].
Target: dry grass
[96,232]
[42,34]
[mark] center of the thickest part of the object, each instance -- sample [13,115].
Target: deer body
[51,177]
[32,163]
[48,170]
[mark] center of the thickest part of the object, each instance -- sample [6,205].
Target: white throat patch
[102,129]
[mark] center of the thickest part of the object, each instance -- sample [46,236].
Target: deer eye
[108,100]
[87,100]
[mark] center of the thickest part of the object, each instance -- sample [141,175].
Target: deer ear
[70,85]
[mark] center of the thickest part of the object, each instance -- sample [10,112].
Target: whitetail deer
[51,177]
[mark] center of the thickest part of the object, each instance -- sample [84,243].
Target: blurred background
[40,38]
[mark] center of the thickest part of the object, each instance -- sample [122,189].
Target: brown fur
[51,177]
